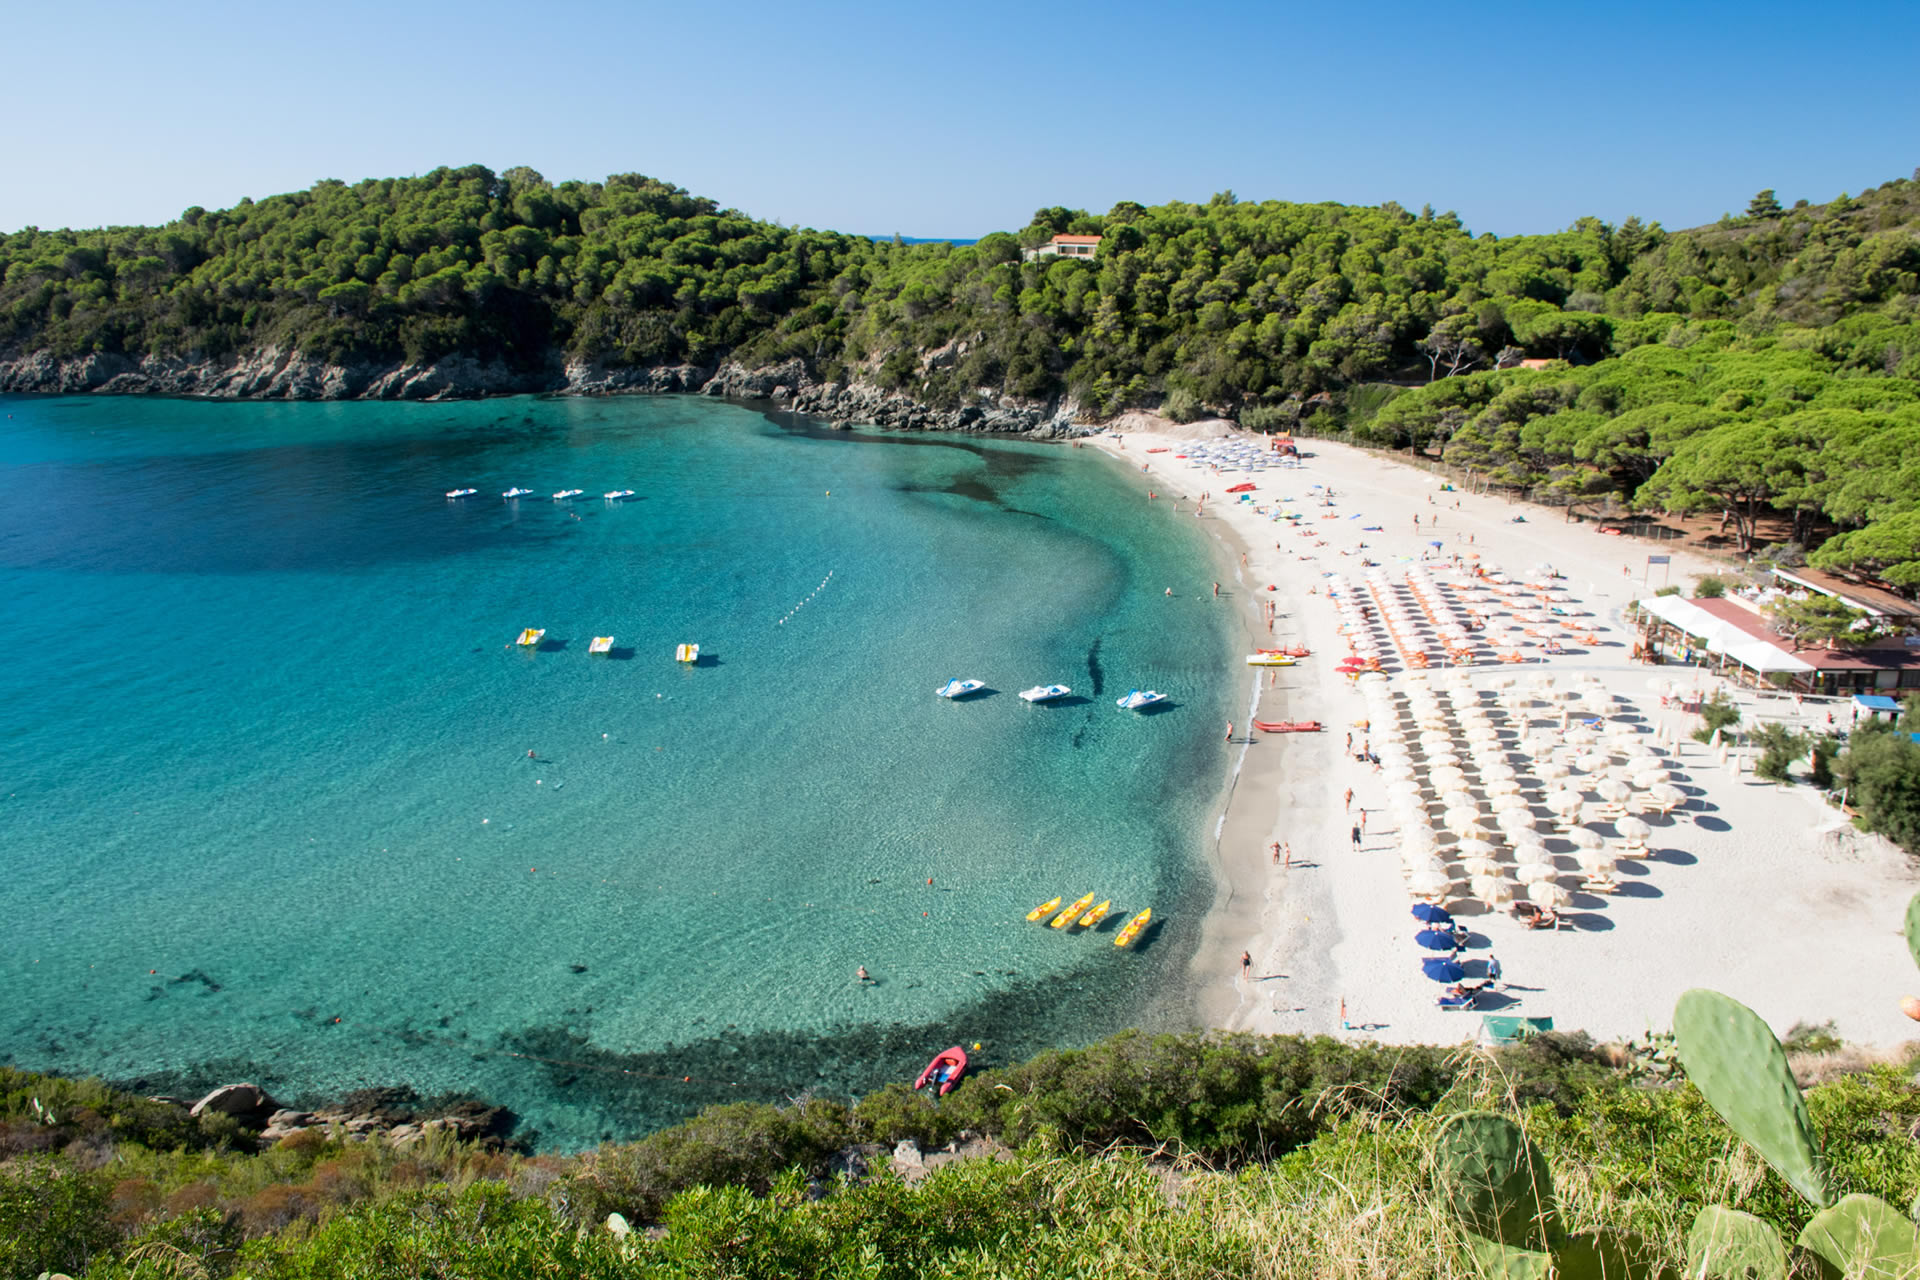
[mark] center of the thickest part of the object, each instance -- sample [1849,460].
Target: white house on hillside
[1065,247]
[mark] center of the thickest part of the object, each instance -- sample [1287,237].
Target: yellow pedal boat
[531,637]
[1072,913]
[1044,910]
[1133,928]
[1096,915]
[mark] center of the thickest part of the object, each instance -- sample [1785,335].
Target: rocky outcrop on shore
[273,373]
[395,1116]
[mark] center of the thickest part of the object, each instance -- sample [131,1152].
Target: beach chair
[1600,884]
[1456,1002]
[1498,1028]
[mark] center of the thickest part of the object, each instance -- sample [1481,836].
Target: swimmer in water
[862,975]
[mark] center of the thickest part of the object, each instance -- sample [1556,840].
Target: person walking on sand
[1349,789]
[1363,822]
[1356,835]
[1276,853]
[1229,731]
[1493,969]
[1246,966]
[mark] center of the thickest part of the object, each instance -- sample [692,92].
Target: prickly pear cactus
[1497,1182]
[1495,1261]
[1726,1244]
[1733,1058]
[1913,927]
[1864,1237]
[1608,1255]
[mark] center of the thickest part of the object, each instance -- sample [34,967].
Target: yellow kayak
[1072,913]
[1044,910]
[1269,660]
[1133,928]
[1096,915]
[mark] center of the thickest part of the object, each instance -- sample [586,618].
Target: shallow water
[268,809]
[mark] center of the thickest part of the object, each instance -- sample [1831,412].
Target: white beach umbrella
[1641,763]
[1552,771]
[1517,823]
[1425,864]
[1443,759]
[1581,737]
[1479,867]
[1548,894]
[1647,779]
[1534,872]
[1461,799]
[1633,830]
[1565,801]
[1586,838]
[1436,741]
[1614,791]
[1593,761]
[1429,884]
[1462,821]
[1499,771]
[1476,849]
[1447,778]
[1512,802]
[1667,796]
[1595,862]
[1492,890]
[1528,847]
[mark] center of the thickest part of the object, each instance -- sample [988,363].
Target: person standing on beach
[1246,966]
[1229,731]
[1363,822]
[1356,835]
[1286,854]
[1216,591]
[1349,789]
[1493,968]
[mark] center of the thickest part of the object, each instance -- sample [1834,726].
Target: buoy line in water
[810,595]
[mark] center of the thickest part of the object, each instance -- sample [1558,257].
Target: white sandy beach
[1752,889]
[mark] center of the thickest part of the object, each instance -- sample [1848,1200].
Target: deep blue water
[267,809]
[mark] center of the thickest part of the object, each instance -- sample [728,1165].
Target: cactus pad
[1733,1058]
[1608,1255]
[1863,1236]
[1726,1244]
[1495,1261]
[1496,1181]
[1913,927]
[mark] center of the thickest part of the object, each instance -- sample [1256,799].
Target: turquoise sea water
[268,811]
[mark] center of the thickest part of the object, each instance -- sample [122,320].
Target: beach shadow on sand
[1706,823]
[1588,921]
[1673,857]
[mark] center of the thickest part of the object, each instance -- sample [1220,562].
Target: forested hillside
[1766,361]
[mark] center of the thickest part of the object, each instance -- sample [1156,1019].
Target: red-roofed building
[1067,247]
[1892,663]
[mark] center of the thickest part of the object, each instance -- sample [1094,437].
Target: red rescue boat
[1287,726]
[945,1070]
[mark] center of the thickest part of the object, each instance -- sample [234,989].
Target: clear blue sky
[960,119]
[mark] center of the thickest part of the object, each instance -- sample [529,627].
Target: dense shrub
[52,1217]
[1880,770]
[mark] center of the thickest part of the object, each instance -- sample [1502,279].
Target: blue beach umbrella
[1443,970]
[1432,913]
[1433,941]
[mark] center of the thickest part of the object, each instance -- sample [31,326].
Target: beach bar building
[1733,638]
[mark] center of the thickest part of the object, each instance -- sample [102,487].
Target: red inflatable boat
[945,1070]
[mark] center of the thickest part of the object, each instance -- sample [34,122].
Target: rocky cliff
[272,373]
